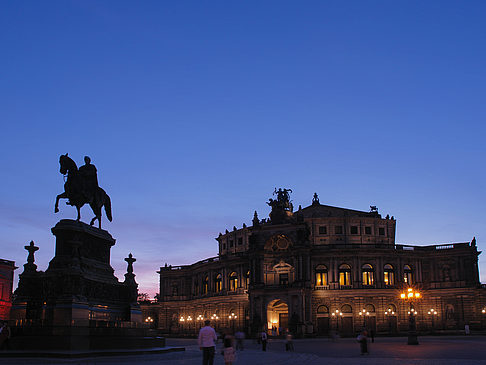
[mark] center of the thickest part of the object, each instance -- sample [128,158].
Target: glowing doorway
[277,315]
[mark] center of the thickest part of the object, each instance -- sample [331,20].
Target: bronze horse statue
[75,190]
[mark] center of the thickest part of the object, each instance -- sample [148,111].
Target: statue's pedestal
[77,303]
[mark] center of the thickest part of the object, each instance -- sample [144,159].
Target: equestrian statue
[81,187]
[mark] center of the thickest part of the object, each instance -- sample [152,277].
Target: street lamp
[215,318]
[410,296]
[181,321]
[336,315]
[232,318]
[432,312]
[199,319]
[364,313]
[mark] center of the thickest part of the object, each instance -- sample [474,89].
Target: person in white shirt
[206,340]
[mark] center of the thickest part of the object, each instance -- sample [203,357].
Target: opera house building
[319,270]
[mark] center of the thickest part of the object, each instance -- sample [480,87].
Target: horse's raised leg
[60,196]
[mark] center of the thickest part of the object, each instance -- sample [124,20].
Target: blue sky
[193,112]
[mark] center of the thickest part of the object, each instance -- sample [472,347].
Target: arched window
[388,275]
[321,275]
[370,308]
[367,274]
[391,310]
[344,274]
[407,275]
[205,285]
[233,281]
[248,279]
[346,309]
[218,283]
[322,309]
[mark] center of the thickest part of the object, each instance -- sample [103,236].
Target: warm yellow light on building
[402,296]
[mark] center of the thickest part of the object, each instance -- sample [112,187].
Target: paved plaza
[432,350]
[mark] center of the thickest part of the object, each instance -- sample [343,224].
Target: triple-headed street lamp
[364,313]
[432,312]
[410,296]
[337,314]
[232,318]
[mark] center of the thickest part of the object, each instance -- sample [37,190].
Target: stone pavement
[433,351]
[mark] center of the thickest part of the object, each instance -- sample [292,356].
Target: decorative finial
[130,276]
[255,220]
[30,266]
[315,199]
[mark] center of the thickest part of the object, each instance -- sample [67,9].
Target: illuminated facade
[6,283]
[320,269]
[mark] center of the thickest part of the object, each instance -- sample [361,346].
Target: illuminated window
[321,275]
[218,283]
[247,279]
[233,281]
[367,274]
[407,274]
[344,274]
[388,275]
[205,285]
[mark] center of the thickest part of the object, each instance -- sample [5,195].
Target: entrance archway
[277,315]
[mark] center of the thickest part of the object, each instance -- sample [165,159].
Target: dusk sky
[194,111]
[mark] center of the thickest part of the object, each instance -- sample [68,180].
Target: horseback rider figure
[89,176]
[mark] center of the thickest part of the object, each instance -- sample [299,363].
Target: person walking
[5,335]
[207,342]
[363,342]
[289,344]
[229,352]
[240,336]
[264,337]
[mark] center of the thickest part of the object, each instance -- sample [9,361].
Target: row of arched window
[368,309]
[233,283]
[367,275]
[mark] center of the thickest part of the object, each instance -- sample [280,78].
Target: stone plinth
[78,298]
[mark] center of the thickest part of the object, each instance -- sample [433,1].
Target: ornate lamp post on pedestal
[410,296]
